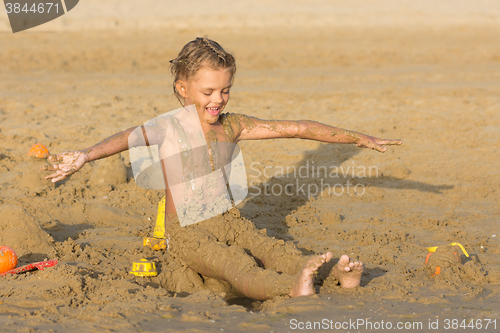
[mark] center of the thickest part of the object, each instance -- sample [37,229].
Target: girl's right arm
[67,163]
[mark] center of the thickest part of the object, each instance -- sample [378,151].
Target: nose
[218,98]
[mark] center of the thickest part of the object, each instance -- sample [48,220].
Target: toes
[345,264]
[321,260]
[350,265]
[356,266]
[344,260]
[316,262]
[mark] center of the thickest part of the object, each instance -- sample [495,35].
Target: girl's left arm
[257,129]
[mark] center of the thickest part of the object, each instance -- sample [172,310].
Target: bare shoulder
[235,123]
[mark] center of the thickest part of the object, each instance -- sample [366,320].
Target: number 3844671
[35,8]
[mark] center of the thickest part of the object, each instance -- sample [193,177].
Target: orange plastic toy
[39,151]
[8,259]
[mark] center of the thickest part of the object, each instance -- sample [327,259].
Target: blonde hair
[199,53]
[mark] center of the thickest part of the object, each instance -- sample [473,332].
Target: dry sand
[429,74]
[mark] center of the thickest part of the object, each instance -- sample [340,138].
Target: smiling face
[208,90]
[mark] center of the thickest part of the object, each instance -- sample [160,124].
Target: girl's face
[208,90]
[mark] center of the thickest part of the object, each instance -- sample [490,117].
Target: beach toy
[434,248]
[155,243]
[159,230]
[440,257]
[8,259]
[36,265]
[144,267]
[159,241]
[39,151]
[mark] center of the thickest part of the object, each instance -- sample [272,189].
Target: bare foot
[304,280]
[348,272]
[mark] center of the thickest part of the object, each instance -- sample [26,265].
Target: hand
[366,141]
[71,162]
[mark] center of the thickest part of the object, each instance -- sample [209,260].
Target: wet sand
[430,77]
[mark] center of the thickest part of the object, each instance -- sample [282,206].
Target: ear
[181,87]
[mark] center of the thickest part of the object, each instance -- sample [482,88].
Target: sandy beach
[423,72]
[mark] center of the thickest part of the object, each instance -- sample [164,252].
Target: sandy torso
[220,138]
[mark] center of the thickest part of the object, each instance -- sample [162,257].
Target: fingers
[61,177]
[57,176]
[51,176]
[54,158]
[51,167]
[378,144]
[62,170]
[390,142]
[386,142]
[372,145]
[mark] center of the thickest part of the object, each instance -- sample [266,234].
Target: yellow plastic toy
[159,230]
[159,241]
[144,267]
[434,248]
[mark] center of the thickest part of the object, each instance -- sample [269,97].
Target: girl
[228,246]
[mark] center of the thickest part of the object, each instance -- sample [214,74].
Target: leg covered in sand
[270,253]
[232,264]
[218,249]
[230,248]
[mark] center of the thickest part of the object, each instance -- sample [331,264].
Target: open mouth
[213,111]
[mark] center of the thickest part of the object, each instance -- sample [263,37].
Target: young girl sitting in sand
[228,246]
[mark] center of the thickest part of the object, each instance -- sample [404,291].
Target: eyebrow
[212,89]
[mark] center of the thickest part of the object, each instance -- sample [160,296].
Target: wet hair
[199,53]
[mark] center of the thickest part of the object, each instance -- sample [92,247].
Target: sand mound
[32,178]
[110,171]
[20,231]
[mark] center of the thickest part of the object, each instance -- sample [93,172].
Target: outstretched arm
[258,129]
[67,163]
